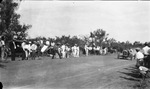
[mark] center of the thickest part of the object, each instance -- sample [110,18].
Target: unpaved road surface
[93,72]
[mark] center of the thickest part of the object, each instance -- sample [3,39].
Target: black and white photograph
[75,44]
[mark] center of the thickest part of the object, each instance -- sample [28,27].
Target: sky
[122,20]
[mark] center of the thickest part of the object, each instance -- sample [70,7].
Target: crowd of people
[33,49]
[38,48]
[143,56]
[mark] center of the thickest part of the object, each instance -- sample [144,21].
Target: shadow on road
[122,58]
[132,75]
[131,72]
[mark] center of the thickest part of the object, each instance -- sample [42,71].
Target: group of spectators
[37,48]
[40,48]
[97,50]
[143,56]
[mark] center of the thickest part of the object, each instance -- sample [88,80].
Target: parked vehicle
[124,54]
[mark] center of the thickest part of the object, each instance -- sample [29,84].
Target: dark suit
[54,51]
[12,48]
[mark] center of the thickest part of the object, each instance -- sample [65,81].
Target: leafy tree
[99,36]
[10,24]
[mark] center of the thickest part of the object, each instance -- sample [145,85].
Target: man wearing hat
[139,57]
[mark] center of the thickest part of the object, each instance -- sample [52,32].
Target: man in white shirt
[25,47]
[33,48]
[74,50]
[86,49]
[63,51]
[145,49]
[146,54]
[139,57]
[78,51]
[104,51]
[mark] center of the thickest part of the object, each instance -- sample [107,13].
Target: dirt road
[93,72]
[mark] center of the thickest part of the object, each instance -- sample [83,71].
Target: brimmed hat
[137,49]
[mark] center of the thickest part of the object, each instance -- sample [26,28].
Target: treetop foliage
[10,25]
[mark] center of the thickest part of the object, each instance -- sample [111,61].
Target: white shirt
[90,48]
[52,44]
[139,55]
[47,42]
[145,50]
[33,47]
[74,48]
[77,48]
[86,47]
[63,47]
[67,48]
[143,69]
[23,45]
[98,48]
[28,46]
[3,43]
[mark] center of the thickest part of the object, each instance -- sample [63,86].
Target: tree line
[10,26]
